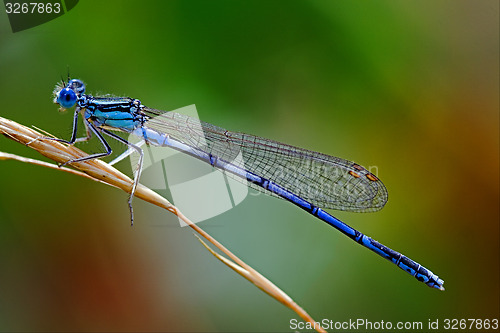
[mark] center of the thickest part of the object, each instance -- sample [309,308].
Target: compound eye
[66,98]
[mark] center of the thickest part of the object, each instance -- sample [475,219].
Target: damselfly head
[66,95]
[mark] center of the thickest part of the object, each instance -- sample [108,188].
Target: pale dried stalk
[100,171]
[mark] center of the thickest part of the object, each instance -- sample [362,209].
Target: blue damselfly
[310,180]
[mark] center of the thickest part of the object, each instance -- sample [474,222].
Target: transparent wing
[323,180]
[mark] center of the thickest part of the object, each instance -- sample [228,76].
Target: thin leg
[137,172]
[93,156]
[74,139]
[87,130]
[96,130]
[75,126]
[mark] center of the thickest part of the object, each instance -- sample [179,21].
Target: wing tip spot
[354,174]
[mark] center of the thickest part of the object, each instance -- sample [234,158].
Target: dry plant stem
[100,171]
[7,156]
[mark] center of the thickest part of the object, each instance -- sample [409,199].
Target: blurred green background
[409,87]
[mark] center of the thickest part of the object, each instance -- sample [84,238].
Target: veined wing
[323,180]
